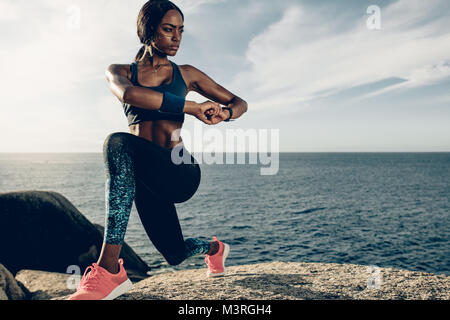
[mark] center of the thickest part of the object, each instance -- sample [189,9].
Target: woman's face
[169,33]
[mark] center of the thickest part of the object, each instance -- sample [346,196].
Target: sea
[375,209]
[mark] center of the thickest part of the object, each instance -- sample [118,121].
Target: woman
[139,164]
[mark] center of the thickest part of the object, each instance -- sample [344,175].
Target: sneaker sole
[226,250]
[119,290]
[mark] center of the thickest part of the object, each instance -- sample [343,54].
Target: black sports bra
[177,86]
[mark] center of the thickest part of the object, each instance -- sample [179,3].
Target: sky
[320,72]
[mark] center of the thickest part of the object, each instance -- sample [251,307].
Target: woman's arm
[126,92]
[207,87]
[146,98]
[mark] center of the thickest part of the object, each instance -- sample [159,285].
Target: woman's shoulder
[188,68]
[120,69]
[191,72]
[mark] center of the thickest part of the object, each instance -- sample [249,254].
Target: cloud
[58,58]
[421,76]
[193,6]
[8,11]
[302,56]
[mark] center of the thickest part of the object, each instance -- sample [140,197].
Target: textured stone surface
[44,285]
[9,288]
[274,280]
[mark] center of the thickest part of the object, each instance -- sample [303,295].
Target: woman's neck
[156,60]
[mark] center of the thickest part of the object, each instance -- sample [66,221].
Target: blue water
[384,209]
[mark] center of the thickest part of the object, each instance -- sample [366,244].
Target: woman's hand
[209,112]
[216,118]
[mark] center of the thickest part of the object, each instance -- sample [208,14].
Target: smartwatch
[231,113]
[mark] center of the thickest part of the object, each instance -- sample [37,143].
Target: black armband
[172,103]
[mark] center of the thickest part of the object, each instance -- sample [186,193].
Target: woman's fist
[208,112]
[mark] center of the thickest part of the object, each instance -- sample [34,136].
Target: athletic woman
[139,165]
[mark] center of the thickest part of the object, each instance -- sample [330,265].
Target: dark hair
[148,20]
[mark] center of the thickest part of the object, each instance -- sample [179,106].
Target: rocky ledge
[274,280]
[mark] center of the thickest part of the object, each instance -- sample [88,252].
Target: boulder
[42,230]
[9,287]
[44,285]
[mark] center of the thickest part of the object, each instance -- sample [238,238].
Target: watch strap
[231,113]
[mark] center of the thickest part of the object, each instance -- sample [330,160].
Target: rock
[42,230]
[3,295]
[45,285]
[292,281]
[9,288]
[273,281]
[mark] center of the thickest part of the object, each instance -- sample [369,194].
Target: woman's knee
[174,259]
[187,192]
[116,138]
[116,142]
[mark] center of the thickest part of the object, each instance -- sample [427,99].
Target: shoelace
[90,280]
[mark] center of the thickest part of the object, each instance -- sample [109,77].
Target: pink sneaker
[216,262]
[99,284]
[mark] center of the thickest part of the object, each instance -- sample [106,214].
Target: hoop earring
[150,50]
[143,54]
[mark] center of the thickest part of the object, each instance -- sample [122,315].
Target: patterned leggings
[141,170]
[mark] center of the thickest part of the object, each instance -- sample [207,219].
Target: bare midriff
[166,133]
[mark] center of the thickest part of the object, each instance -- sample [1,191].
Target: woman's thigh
[155,169]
